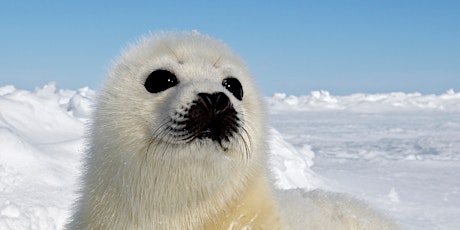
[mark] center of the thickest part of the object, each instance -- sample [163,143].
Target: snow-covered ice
[398,151]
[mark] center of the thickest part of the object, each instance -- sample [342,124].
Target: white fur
[138,177]
[319,209]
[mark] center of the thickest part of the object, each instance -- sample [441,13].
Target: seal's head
[178,91]
[177,135]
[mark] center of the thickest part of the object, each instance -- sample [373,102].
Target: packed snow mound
[366,103]
[40,147]
[291,167]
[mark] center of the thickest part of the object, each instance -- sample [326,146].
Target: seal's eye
[234,86]
[160,80]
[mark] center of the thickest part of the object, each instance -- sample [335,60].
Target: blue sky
[292,46]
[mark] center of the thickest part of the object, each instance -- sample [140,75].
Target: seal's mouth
[210,117]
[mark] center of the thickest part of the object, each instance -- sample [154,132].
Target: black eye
[234,86]
[160,80]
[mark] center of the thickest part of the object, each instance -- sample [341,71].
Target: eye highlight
[160,80]
[234,86]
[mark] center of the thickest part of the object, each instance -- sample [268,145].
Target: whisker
[157,135]
[215,64]
[179,60]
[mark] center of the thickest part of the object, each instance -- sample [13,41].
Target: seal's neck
[187,185]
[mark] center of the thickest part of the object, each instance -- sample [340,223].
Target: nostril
[216,102]
[221,101]
[206,99]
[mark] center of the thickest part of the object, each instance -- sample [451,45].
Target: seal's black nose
[212,116]
[216,102]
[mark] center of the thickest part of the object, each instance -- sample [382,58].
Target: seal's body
[177,142]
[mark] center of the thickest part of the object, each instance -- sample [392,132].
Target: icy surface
[399,152]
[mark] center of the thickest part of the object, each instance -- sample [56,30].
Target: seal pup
[178,141]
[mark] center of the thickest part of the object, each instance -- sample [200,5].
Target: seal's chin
[207,142]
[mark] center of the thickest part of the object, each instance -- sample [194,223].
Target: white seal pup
[178,141]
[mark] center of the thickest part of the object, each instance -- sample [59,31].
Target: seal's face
[209,116]
[186,91]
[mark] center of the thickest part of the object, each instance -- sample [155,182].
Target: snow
[397,151]
[366,103]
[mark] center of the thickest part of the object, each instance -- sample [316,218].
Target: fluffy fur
[140,175]
[319,209]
